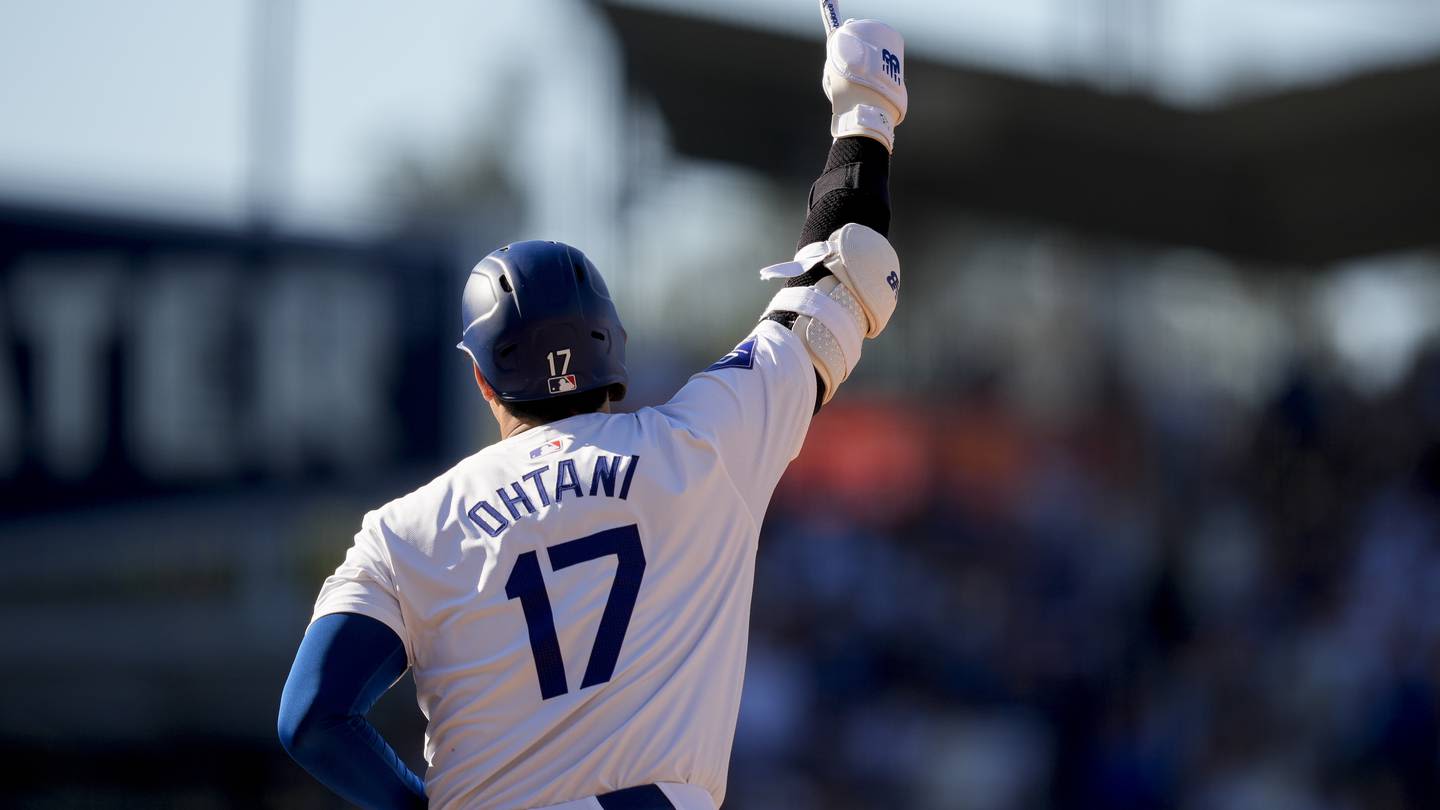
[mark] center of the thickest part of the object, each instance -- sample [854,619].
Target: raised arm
[755,404]
[845,278]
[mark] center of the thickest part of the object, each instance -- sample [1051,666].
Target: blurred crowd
[1180,604]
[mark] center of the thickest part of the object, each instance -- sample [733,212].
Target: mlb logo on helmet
[563,385]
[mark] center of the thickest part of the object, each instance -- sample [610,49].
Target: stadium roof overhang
[1308,176]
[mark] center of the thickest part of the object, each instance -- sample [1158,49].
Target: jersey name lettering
[551,484]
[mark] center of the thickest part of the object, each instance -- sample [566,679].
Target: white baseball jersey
[575,599]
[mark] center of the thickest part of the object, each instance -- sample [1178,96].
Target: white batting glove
[865,80]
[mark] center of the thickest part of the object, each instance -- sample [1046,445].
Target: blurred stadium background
[1137,504]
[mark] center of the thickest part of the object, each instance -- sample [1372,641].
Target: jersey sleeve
[345,663]
[754,406]
[365,583]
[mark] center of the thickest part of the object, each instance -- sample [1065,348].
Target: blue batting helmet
[539,323]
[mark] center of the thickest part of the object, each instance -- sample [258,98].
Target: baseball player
[574,599]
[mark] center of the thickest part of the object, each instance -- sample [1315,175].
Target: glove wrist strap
[867,121]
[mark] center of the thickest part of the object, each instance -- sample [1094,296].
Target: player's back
[575,599]
[533,599]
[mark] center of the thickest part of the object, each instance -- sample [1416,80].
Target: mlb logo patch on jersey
[548,448]
[742,356]
[562,385]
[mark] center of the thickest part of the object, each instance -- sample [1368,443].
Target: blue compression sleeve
[345,663]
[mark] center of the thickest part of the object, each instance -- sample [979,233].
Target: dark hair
[543,411]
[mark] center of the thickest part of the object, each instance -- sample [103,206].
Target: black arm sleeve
[855,187]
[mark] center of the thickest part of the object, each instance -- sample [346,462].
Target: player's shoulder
[407,515]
